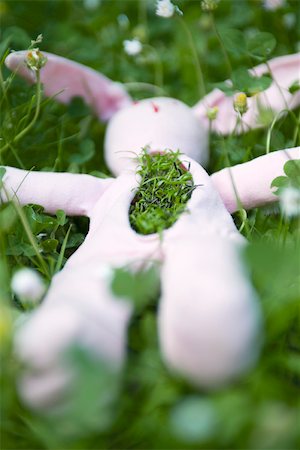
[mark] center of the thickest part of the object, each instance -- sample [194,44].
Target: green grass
[150,408]
[165,188]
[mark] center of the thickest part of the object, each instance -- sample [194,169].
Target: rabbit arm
[66,79]
[251,181]
[285,71]
[74,193]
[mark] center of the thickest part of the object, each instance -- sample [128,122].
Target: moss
[165,188]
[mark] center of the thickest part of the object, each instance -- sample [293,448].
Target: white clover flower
[35,59]
[165,8]
[28,285]
[133,47]
[289,20]
[91,4]
[272,5]
[41,235]
[290,201]
[209,5]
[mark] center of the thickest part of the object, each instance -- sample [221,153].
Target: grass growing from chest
[164,190]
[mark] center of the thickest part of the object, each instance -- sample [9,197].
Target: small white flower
[28,285]
[289,20]
[165,8]
[272,5]
[133,47]
[91,4]
[123,21]
[290,201]
[41,235]
[209,5]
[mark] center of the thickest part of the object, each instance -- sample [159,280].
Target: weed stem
[228,63]
[199,71]
[31,124]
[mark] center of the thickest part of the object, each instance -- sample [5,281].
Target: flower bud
[240,103]
[212,113]
[209,5]
[35,59]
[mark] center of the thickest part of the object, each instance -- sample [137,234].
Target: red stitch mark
[155,107]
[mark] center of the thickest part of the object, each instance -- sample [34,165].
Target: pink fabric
[66,79]
[209,319]
[251,181]
[75,194]
[158,123]
[285,70]
[81,308]
[209,332]
[154,122]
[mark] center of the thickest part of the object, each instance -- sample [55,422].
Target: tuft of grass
[165,188]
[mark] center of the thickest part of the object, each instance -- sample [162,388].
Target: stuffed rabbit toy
[209,317]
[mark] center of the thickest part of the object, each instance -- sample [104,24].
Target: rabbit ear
[285,71]
[65,79]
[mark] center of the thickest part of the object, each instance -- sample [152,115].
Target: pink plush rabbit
[209,316]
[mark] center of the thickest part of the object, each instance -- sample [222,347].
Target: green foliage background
[149,407]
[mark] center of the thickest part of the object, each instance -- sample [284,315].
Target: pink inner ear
[285,70]
[66,79]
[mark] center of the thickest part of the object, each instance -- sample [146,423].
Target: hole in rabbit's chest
[166,186]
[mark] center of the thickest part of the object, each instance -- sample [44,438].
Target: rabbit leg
[79,310]
[209,318]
